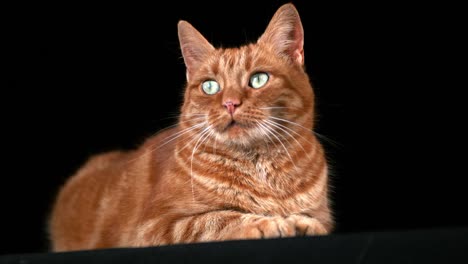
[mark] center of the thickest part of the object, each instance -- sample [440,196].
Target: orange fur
[242,163]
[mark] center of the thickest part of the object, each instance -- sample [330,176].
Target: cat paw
[276,226]
[306,226]
[265,227]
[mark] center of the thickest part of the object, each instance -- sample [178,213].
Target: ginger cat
[242,163]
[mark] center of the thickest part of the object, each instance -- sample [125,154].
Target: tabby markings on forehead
[235,58]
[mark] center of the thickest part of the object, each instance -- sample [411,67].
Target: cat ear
[285,34]
[193,45]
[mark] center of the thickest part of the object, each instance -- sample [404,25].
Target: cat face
[244,95]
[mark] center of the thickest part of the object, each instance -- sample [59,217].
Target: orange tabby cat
[241,164]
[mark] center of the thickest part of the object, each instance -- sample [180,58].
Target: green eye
[258,80]
[210,87]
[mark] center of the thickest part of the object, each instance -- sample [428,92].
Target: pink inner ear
[285,34]
[190,59]
[298,41]
[193,45]
[298,55]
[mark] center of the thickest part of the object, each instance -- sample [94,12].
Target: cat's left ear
[194,46]
[285,34]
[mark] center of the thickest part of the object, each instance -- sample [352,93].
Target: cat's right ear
[193,45]
[285,34]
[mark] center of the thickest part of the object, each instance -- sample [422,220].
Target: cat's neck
[264,166]
[270,148]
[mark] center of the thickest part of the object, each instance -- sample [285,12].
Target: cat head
[243,95]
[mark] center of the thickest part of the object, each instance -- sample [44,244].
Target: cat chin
[237,135]
[235,129]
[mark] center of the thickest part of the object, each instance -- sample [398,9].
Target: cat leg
[223,225]
[232,225]
[255,226]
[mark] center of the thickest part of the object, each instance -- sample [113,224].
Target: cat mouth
[233,125]
[234,128]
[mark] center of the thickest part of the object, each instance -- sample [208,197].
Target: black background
[86,78]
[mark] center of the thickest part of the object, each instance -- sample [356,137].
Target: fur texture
[242,163]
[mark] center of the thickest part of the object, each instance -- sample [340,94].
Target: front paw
[306,226]
[264,227]
[276,226]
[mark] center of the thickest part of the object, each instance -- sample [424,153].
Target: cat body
[242,163]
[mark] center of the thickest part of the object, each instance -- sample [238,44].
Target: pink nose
[231,105]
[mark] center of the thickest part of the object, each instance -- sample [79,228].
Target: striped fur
[255,172]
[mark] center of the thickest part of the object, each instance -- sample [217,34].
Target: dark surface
[85,78]
[421,246]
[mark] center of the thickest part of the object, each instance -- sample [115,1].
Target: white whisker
[277,107]
[179,134]
[317,134]
[279,126]
[215,142]
[290,122]
[292,130]
[265,132]
[329,140]
[177,116]
[170,138]
[178,123]
[272,132]
[203,135]
[262,131]
[190,115]
[194,138]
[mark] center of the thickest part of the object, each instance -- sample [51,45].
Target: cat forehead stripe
[239,58]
